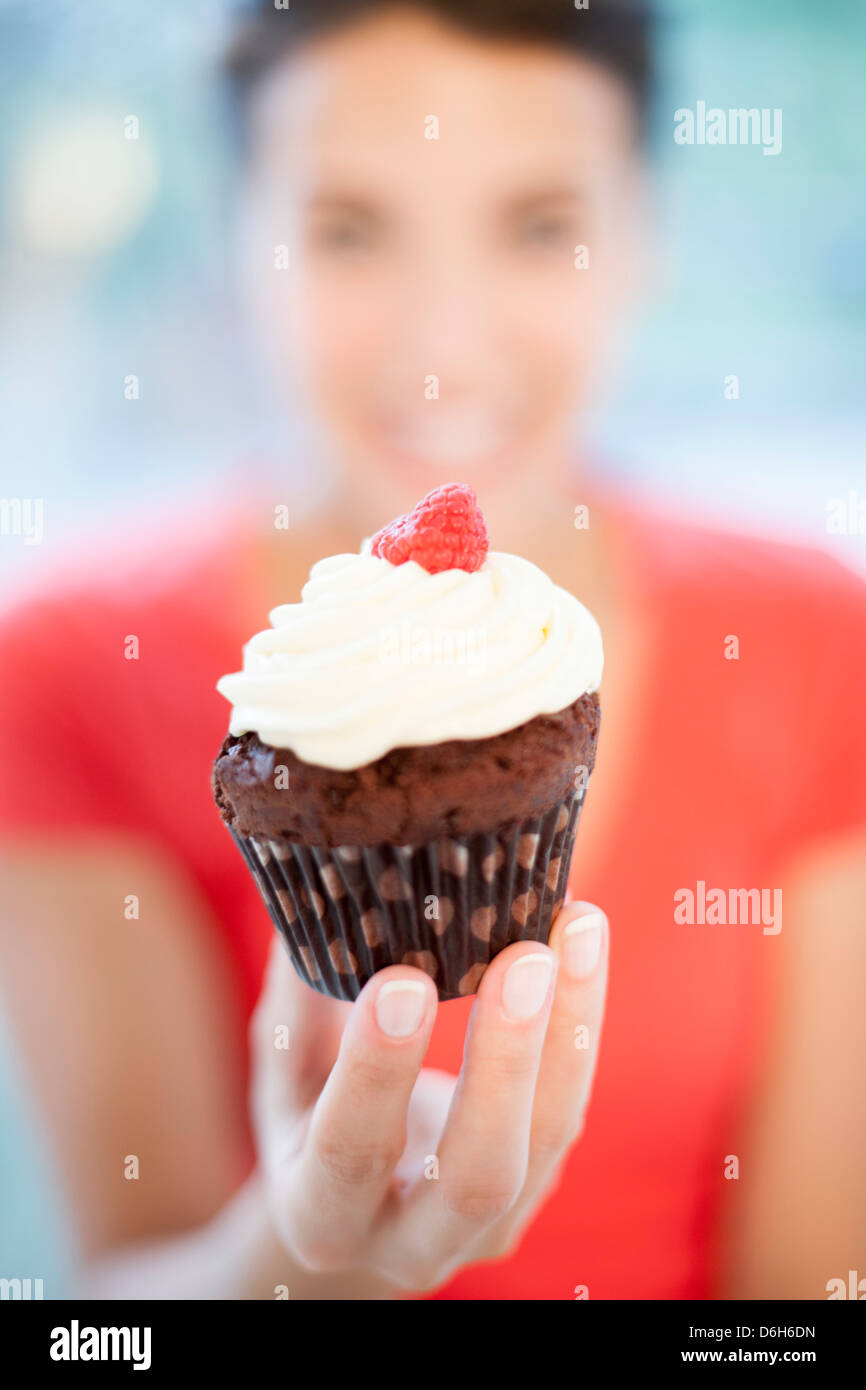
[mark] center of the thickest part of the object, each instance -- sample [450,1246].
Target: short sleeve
[53,771]
[838,703]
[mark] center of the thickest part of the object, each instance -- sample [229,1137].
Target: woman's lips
[446,438]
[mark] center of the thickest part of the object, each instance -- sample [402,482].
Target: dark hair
[615,33]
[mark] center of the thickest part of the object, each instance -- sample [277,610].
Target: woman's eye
[345,236]
[543,231]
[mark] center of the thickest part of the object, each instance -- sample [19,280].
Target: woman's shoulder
[126,638]
[762,650]
[170,571]
[695,565]
[113,657]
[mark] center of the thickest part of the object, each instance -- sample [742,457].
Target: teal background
[35,1239]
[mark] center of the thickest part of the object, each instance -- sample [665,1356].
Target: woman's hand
[368,1161]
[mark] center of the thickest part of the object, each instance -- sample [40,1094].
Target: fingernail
[400,1006]
[581,946]
[525,987]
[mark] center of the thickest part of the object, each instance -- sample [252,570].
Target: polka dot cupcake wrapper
[447,907]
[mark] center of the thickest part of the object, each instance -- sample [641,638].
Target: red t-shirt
[739,762]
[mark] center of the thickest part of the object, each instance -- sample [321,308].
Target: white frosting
[379,656]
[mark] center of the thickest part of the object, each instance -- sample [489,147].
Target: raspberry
[444,531]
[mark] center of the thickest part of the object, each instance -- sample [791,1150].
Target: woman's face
[417,198]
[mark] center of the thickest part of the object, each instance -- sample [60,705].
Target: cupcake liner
[447,907]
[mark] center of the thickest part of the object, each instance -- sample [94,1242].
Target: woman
[427,174]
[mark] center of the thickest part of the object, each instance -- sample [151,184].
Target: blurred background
[117,260]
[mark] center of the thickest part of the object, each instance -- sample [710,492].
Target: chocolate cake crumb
[411,795]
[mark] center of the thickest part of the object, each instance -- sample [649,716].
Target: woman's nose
[448,321]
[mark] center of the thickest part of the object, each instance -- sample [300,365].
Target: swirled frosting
[379,656]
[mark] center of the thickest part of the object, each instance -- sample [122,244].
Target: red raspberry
[444,531]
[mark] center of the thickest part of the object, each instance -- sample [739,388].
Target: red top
[738,763]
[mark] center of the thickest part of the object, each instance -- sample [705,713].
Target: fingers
[357,1132]
[483,1154]
[579,940]
[344,1191]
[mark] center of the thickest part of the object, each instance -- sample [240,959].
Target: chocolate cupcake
[408,753]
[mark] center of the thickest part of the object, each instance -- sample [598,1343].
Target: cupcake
[408,752]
